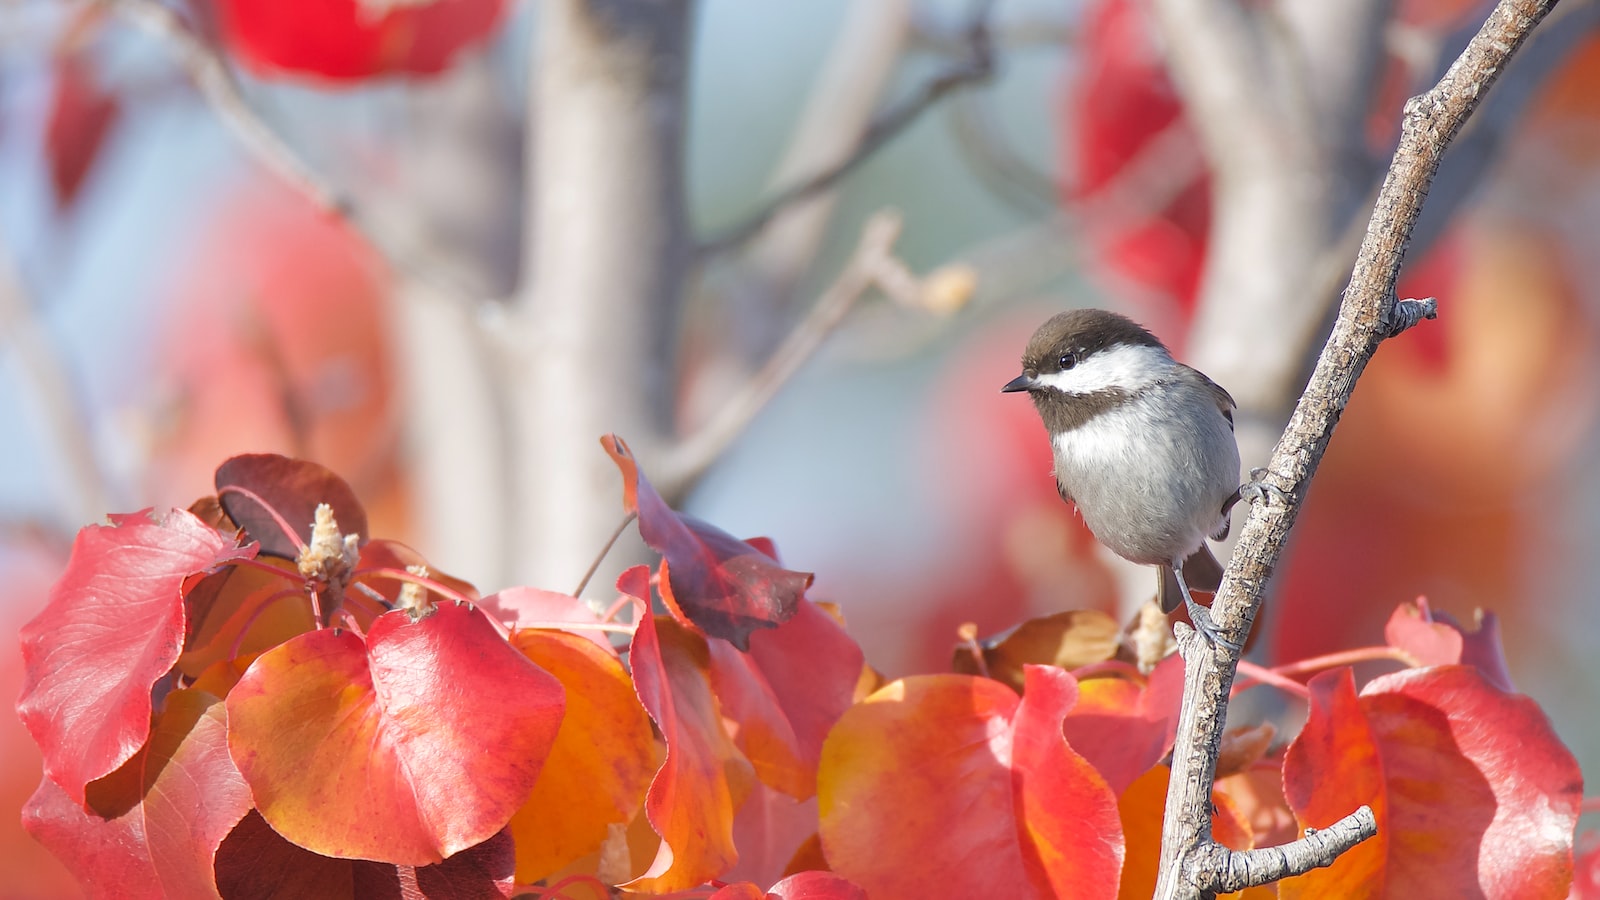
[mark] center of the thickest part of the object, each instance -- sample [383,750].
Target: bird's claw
[1207,627]
[1258,489]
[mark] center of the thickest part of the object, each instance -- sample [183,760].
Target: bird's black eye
[1067,361]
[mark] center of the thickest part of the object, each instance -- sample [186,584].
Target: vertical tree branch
[606,252]
[1191,863]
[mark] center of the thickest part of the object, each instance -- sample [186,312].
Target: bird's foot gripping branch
[257,694]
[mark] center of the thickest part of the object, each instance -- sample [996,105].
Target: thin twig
[600,557]
[215,80]
[1192,865]
[978,65]
[66,420]
[872,261]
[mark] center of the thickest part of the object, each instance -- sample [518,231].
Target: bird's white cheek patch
[1127,368]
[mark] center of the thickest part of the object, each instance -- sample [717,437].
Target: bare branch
[87,495]
[872,264]
[1217,869]
[215,80]
[1366,316]
[977,65]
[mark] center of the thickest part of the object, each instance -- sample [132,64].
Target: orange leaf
[724,586]
[1332,767]
[694,796]
[601,762]
[406,748]
[243,611]
[949,786]
[1141,808]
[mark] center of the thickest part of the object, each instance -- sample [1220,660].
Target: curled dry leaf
[723,586]
[1067,640]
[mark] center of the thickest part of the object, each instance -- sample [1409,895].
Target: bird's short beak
[1020,383]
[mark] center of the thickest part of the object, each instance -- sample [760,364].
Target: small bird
[1143,446]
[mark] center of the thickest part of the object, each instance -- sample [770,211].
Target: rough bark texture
[1365,318]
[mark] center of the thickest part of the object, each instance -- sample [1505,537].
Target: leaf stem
[604,551]
[290,533]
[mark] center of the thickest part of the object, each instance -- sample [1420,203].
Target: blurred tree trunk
[606,251]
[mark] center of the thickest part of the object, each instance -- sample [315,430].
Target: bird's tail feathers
[1201,571]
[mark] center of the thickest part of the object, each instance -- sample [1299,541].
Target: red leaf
[948,786]
[114,626]
[293,488]
[786,692]
[803,886]
[694,796]
[82,112]
[256,862]
[1536,786]
[525,607]
[817,886]
[1412,628]
[152,827]
[1069,851]
[1122,727]
[724,586]
[1124,112]
[407,748]
[1437,639]
[108,855]
[770,828]
[1586,877]
[1473,792]
[350,40]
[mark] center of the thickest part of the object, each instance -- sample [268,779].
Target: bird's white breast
[1150,491]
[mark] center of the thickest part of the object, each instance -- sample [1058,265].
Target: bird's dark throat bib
[1064,412]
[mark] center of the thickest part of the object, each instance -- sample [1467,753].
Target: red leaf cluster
[206,735]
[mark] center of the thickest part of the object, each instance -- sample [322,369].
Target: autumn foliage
[255,696]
